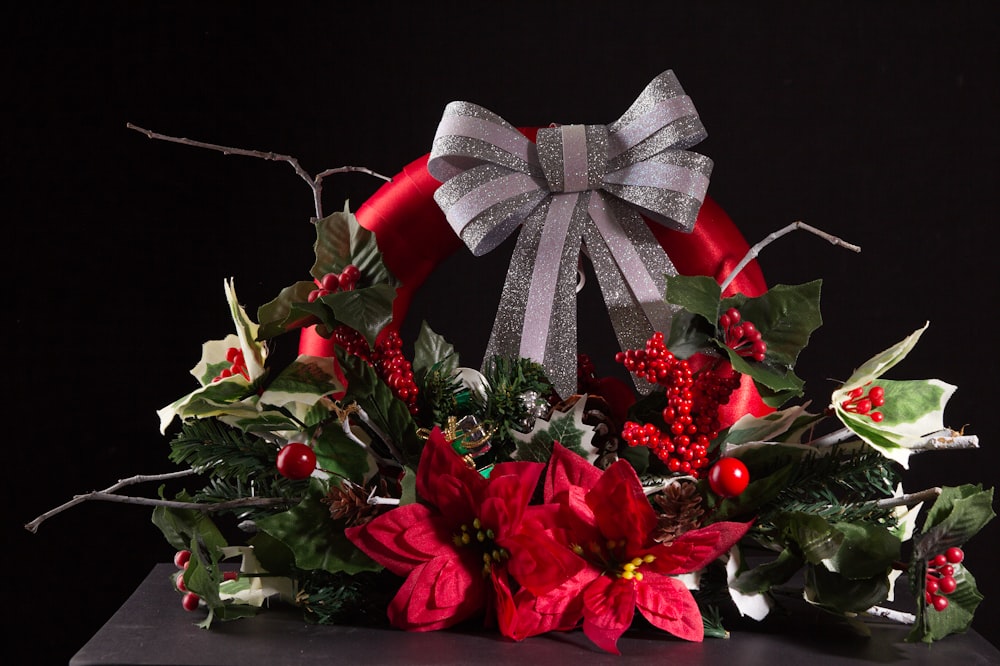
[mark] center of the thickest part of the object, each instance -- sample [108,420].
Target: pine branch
[212,447]
[315,183]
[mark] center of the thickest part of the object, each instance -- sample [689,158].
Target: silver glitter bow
[579,188]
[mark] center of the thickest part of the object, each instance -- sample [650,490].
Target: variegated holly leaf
[567,428]
[300,385]
[220,394]
[912,409]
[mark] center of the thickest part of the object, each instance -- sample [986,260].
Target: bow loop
[578,186]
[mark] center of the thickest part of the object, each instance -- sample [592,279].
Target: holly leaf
[286,311]
[839,594]
[432,352]
[387,412]
[698,294]
[765,576]
[882,362]
[303,382]
[341,240]
[932,625]
[308,531]
[912,409]
[338,454]
[957,515]
[567,428]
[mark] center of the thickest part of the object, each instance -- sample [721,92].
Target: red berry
[230,575]
[939,561]
[940,603]
[296,461]
[954,555]
[932,585]
[728,477]
[330,282]
[181,558]
[351,272]
[190,601]
[947,585]
[179,582]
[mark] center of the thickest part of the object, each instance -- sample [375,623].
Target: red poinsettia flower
[608,523]
[461,544]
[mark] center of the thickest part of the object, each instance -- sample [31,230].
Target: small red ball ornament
[728,477]
[296,461]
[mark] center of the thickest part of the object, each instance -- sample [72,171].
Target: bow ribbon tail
[631,268]
[536,317]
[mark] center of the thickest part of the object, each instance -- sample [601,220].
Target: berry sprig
[690,416]
[331,283]
[395,370]
[238,365]
[940,580]
[859,403]
[387,359]
[742,336]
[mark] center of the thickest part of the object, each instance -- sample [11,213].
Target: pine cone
[349,502]
[597,414]
[679,510]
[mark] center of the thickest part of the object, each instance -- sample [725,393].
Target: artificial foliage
[388,481]
[822,508]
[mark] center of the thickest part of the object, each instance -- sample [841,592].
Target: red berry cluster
[940,580]
[190,600]
[859,403]
[330,283]
[742,336]
[238,365]
[691,414]
[387,359]
[395,370]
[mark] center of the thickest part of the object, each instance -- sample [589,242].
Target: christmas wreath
[368,480]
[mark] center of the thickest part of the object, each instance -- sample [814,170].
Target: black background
[875,121]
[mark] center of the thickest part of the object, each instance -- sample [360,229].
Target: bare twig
[892,614]
[315,182]
[770,238]
[909,499]
[110,495]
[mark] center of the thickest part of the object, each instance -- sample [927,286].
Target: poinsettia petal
[620,506]
[438,594]
[568,469]
[539,562]
[404,537]
[695,549]
[559,609]
[506,609]
[505,497]
[445,480]
[668,604]
[608,609]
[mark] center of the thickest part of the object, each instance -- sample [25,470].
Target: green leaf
[283,314]
[867,551]
[181,527]
[305,380]
[816,539]
[697,294]
[933,625]
[765,576]
[390,414]
[308,531]
[957,515]
[433,352]
[689,334]
[340,241]
[785,316]
[367,310]
[338,454]
[838,594]
[567,428]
